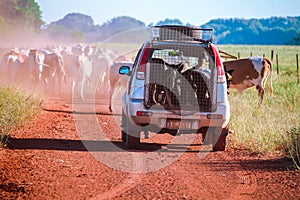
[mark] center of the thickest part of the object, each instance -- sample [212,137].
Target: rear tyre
[217,137]
[129,134]
[133,140]
[220,143]
[123,136]
[123,125]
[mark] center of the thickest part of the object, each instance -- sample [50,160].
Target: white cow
[34,62]
[21,67]
[101,60]
[52,69]
[12,67]
[71,64]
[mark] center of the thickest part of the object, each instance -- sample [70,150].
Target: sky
[195,12]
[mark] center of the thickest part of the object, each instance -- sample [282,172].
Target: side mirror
[125,70]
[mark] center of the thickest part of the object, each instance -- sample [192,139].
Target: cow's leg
[82,85]
[264,82]
[73,86]
[40,83]
[261,93]
[45,86]
[59,85]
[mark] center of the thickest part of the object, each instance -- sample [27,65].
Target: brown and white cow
[245,73]
[116,81]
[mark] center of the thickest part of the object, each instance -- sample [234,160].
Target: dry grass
[15,109]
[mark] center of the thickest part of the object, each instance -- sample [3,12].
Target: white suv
[177,85]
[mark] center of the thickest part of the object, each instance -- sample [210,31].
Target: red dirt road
[60,155]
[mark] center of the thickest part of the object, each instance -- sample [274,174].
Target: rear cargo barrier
[175,90]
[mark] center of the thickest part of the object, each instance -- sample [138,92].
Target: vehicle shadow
[91,145]
[78,112]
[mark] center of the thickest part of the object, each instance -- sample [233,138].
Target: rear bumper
[189,120]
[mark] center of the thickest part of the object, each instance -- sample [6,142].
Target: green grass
[263,129]
[15,109]
[270,129]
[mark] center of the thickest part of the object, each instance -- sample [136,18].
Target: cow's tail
[270,64]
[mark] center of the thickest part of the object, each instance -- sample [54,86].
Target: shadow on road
[91,145]
[252,163]
[65,145]
[77,112]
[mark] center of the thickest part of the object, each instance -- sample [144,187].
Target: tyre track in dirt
[48,159]
[249,182]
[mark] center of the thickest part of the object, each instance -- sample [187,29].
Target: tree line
[274,30]
[26,16]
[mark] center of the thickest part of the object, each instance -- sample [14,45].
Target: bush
[293,145]
[15,109]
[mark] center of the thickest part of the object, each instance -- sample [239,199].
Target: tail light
[142,66]
[214,116]
[219,64]
[143,113]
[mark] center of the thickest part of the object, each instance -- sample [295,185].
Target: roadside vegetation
[273,128]
[15,109]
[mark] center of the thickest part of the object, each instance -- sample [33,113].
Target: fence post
[298,75]
[277,66]
[272,55]
[239,55]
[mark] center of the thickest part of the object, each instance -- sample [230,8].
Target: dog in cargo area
[171,86]
[165,82]
[198,79]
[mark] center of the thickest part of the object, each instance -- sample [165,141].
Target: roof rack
[181,33]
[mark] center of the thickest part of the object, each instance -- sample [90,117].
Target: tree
[296,40]
[31,12]
[76,22]
[21,14]
[120,25]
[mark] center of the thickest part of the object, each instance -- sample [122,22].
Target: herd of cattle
[83,69]
[88,70]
